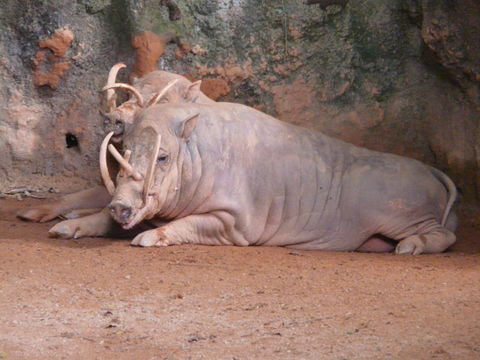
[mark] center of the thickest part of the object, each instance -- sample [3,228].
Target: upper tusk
[107,180]
[112,77]
[128,168]
[151,169]
[129,88]
[126,156]
[161,94]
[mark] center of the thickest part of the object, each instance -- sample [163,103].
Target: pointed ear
[187,126]
[193,90]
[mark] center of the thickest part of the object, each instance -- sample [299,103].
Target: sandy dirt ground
[103,299]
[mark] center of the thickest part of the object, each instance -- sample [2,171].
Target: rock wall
[392,75]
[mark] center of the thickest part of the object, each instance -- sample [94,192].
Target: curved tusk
[112,77]
[161,94]
[107,180]
[127,87]
[126,156]
[128,168]
[151,169]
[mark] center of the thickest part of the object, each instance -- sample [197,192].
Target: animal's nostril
[121,210]
[126,212]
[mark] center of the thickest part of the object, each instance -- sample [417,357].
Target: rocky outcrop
[392,75]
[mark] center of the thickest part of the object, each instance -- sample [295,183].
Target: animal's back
[288,186]
[282,180]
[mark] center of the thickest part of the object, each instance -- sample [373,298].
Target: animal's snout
[111,122]
[119,127]
[121,211]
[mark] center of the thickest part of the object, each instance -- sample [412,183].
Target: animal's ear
[188,125]
[193,91]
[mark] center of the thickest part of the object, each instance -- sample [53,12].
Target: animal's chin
[130,224]
[134,220]
[117,138]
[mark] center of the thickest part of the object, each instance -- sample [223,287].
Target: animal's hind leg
[435,241]
[377,244]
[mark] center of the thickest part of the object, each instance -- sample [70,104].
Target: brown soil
[102,299]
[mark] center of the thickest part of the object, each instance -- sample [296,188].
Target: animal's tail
[452,192]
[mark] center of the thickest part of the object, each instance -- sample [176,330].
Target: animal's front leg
[98,224]
[204,229]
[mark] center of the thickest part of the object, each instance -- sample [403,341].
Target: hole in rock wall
[71,140]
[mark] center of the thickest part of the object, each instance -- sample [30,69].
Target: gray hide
[243,178]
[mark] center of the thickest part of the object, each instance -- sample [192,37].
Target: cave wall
[393,75]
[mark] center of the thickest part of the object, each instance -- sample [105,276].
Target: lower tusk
[125,165]
[112,76]
[127,155]
[129,88]
[107,180]
[151,169]
[161,94]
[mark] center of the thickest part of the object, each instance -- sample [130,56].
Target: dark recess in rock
[174,13]
[71,140]
[324,3]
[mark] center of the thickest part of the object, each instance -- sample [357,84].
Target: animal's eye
[162,159]
[163,100]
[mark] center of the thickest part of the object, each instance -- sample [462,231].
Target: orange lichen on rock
[238,72]
[294,101]
[231,72]
[149,47]
[52,77]
[59,42]
[183,49]
[281,70]
[198,50]
[215,88]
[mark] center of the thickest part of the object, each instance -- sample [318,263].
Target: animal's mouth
[133,220]
[117,138]
[128,225]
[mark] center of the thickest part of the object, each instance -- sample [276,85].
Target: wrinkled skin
[235,176]
[119,121]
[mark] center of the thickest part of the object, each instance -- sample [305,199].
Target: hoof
[64,230]
[149,238]
[412,245]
